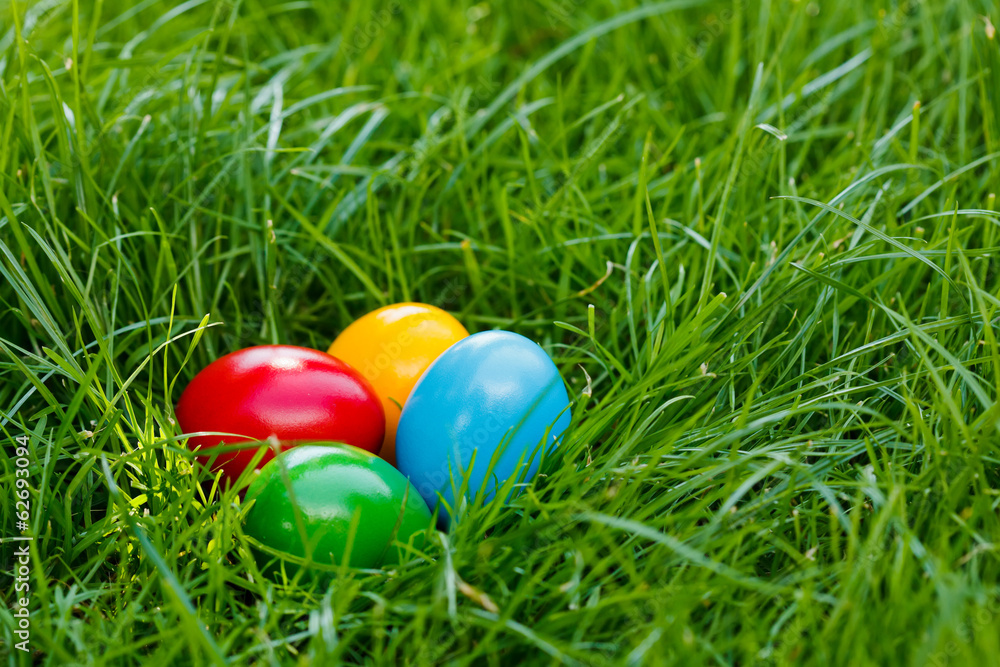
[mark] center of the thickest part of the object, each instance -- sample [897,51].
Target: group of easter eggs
[462,418]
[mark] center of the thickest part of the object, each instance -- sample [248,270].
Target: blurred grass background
[758,238]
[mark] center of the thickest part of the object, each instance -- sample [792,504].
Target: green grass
[769,279]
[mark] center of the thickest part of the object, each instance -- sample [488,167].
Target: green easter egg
[332,486]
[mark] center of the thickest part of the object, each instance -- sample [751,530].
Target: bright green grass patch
[769,277]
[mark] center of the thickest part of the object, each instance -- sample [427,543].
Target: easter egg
[339,497]
[495,395]
[292,393]
[392,347]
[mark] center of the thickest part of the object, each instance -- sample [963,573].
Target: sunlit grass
[768,276]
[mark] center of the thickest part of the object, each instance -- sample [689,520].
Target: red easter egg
[292,393]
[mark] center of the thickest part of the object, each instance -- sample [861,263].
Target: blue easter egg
[495,395]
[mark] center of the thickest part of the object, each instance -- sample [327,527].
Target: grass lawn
[759,240]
